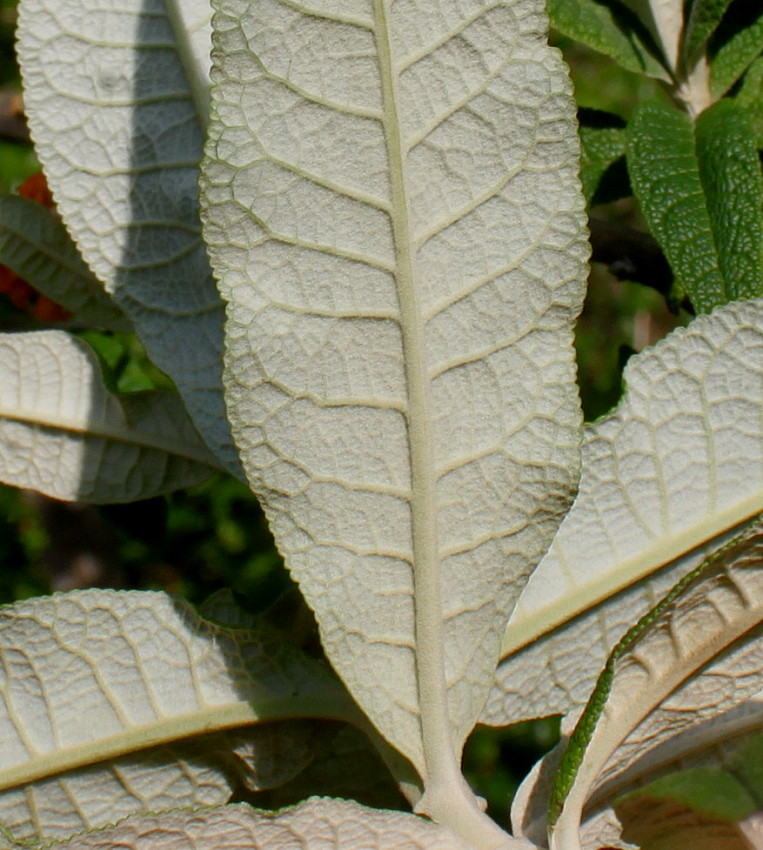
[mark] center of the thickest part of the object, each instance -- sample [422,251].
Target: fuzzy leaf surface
[64,434]
[35,244]
[610,28]
[324,823]
[692,661]
[120,703]
[117,100]
[704,17]
[700,187]
[395,219]
[672,472]
[736,43]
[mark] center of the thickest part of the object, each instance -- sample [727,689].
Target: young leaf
[704,17]
[328,824]
[117,103]
[665,20]
[750,98]
[65,435]
[116,703]
[673,471]
[735,44]
[700,188]
[401,246]
[691,660]
[612,29]
[35,244]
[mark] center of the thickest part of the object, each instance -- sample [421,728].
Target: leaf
[328,824]
[704,17]
[612,29]
[117,103]
[35,244]
[602,163]
[63,433]
[701,189]
[735,44]
[691,660]
[118,703]
[402,286]
[704,807]
[750,98]
[671,473]
[664,20]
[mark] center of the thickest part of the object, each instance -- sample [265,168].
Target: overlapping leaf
[672,472]
[694,662]
[393,212]
[64,434]
[700,187]
[117,101]
[35,244]
[120,703]
[328,824]
[735,44]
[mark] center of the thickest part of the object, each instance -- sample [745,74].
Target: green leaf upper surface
[750,98]
[694,663]
[395,219]
[611,29]
[116,96]
[35,244]
[120,703]
[602,162]
[704,17]
[328,824]
[700,188]
[674,470]
[64,434]
[735,44]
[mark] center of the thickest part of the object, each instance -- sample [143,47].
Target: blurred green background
[196,541]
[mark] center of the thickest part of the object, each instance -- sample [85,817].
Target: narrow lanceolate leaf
[750,98]
[328,824]
[692,661]
[665,20]
[700,187]
[735,44]
[64,434]
[673,471]
[704,17]
[602,162]
[612,29]
[393,212]
[117,99]
[35,244]
[122,703]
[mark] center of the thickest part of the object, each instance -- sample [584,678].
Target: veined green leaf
[704,17]
[65,435]
[735,44]
[670,474]
[117,99]
[330,824]
[692,661]
[610,28]
[700,188]
[395,219]
[750,98]
[35,244]
[119,703]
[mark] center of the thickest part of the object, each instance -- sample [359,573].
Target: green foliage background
[194,542]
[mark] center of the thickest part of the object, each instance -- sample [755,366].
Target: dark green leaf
[735,44]
[611,29]
[750,97]
[602,162]
[700,188]
[704,17]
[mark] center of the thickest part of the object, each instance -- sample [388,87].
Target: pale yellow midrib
[541,621]
[436,733]
[203,721]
